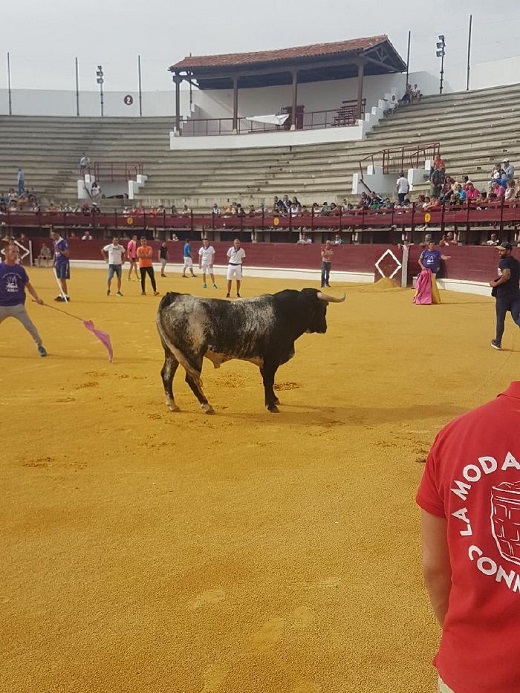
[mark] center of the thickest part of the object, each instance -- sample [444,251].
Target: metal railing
[116,170]
[468,215]
[401,158]
[345,116]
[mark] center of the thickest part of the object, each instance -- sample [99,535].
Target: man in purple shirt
[13,283]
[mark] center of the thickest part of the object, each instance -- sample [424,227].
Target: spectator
[86,236]
[508,172]
[45,256]
[470,553]
[95,191]
[84,164]
[304,239]
[416,94]
[20,179]
[338,240]
[437,179]
[402,187]
[215,210]
[510,193]
[493,240]
[407,96]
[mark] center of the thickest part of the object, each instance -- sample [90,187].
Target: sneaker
[215,286]
[204,286]
[119,293]
[194,276]
[327,285]
[156,293]
[227,296]
[238,296]
[108,292]
[163,275]
[496,345]
[184,276]
[143,293]
[42,351]
[59,298]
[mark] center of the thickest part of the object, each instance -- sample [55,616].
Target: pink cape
[423,292]
[103,337]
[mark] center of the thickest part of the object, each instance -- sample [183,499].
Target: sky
[43,39]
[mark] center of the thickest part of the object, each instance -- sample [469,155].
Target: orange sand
[240,553]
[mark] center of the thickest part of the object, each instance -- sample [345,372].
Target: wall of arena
[469,268]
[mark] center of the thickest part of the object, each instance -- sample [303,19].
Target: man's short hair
[505,246]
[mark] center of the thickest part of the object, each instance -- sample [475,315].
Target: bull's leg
[167,373]
[271,400]
[196,388]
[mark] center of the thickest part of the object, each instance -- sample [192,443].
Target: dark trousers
[147,271]
[503,305]
[325,273]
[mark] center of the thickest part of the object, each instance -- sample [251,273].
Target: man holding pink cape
[427,291]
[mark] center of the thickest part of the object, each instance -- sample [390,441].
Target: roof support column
[294,98]
[235,105]
[177,80]
[360,74]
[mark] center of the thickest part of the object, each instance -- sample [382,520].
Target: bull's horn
[331,299]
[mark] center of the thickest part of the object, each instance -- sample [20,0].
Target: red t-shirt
[472,478]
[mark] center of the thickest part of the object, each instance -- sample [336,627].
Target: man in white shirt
[235,255]
[402,187]
[113,253]
[206,258]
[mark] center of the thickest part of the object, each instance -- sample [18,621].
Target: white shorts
[206,268]
[188,262]
[234,271]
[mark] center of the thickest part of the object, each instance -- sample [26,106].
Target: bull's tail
[181,358]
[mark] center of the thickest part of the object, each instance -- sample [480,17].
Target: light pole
[100,81]
[441,45]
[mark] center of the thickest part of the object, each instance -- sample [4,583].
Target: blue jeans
[325,273]
[503,305]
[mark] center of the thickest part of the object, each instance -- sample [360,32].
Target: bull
[262,330]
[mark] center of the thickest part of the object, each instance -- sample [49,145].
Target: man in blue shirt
[61,264]
[13,283]
[188,260]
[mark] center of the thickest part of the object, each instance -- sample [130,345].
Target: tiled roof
[285,54]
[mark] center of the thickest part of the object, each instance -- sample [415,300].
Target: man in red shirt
[470,501]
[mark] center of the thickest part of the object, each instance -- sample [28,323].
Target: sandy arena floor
[240,553]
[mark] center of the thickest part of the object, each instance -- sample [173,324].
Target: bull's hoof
[172,406]
[207,409]
[273,409]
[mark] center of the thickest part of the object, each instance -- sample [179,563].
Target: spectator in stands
[286,203]
[407,96]
[482,200]
[376,201]
[215,210]
[186,211]
[338,240]
[493,240]
[173,210]
[496,174]
[416,94]
[95,191]
[86,236]
[239,210]
[364,201]
[438,163]
[508,172]
[84,164]
[325,210]
[304,239]
[472,194]
[174,237]
[44,258]
[437,180]
[434,203]
[497,190]
[402,187]
[510,193]
[20,180]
